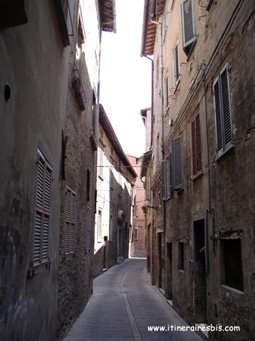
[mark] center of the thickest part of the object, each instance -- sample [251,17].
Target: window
[177,164]
[196,145]
[99,225]
[42,210]
[181,256]
[176,65]
[223,112]
[188,25]
[70,214]
[231,261]
[136,234]
[209,4]
[166,93]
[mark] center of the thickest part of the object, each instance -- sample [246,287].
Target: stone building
[138,239]
[50,59]
[115,181]
[203,158]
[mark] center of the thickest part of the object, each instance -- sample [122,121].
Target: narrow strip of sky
[126,77]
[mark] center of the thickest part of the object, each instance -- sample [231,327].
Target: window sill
[191,50]
[221,154]
[37,269]
[227,288]
[197,175]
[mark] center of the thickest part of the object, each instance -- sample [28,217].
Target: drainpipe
[152,97]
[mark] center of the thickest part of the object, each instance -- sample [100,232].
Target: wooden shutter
[42,210]
[196,145]
[188,27]
[218,115]
[177,164]
[70,212]
[226,107]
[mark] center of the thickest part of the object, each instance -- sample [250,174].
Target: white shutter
[222,112]
[188,27]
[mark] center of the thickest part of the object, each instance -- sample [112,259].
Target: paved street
[123,305]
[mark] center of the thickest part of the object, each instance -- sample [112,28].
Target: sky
[126,77]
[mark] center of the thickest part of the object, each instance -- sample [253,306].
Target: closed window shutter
[70,221]
[188,29]
[42,211]
[218,116]
[177,164]
[196,145]
[223,112]
[226,107]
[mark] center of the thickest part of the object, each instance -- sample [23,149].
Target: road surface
[124,305]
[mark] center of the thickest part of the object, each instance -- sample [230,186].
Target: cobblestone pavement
[122,307]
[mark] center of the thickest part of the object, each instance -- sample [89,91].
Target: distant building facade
[115,181]
[49,113]
[200,169]
[138,240]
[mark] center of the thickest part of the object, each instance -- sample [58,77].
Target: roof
[107,15]
[110,133]
[145,162]
[151,14]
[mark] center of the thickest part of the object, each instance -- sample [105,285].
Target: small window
[231,262]
[223,112]
[70,214]
[136,234]
[42,210]
[176,65]
[196,145]
[188,25]
[177,164]
[181,256]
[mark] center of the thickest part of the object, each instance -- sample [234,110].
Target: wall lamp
[147,204]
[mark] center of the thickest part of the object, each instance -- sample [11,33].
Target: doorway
[169,272]
[200,269]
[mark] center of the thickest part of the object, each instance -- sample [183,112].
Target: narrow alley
[124,305]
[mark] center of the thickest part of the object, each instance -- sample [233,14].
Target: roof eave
[110,133]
